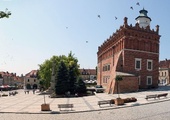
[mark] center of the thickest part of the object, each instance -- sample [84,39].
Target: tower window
[149,80]
[138,63]
[149,65]
[108,67]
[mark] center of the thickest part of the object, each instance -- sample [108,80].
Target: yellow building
[164,72]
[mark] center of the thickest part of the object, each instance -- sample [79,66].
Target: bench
[104,102]
[162,95]
[151,96]
[65,106]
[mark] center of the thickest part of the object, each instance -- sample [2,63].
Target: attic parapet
[157,29]
[147,29]
[115,36]
[119,32]
[137,27]
[125,22]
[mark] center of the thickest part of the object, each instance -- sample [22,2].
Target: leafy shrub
[132,99]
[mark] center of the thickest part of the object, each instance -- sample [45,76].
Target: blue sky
[39,29]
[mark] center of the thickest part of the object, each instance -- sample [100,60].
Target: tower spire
[143,18]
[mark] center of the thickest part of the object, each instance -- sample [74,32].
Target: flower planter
[132,99]
[45,107]
[112,101]
[119,101]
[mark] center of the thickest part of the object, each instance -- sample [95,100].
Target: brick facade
[123,87]
[123,52]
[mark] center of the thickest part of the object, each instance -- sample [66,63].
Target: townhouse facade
[30,80]
[88,74]
[164,72]
[10,79]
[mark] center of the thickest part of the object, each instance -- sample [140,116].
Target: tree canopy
[45,69]
[62,79]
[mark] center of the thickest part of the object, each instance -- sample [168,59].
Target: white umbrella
[1,86]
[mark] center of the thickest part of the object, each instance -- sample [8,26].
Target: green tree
[45,69]
[62,79]
[73,71]
[41,83]
[80,86]
[72,78]
[72,61]
[45,73]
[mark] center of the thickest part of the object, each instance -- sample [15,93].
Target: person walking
[33,91]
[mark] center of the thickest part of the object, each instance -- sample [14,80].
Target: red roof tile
[164,64]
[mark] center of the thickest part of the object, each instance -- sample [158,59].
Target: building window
[108,67]
[28,80]
[149,64]
[149,80]
[106,79]
[34,80]
[138,63]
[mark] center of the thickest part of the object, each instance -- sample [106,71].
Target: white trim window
[149,65]
[106,79]
[138,63]
[149,80]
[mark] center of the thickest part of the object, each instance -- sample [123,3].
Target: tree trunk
[118,89]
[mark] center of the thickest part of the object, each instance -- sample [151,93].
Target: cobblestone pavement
[28,106]
[157,111]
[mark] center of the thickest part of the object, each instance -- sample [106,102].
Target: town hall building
[133,53]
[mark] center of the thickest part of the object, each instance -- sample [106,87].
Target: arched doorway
[28,86]
[35,86]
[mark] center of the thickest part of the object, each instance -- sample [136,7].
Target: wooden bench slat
[162,95]
[156,96]
[104,102]
[151,96]
[65,106]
